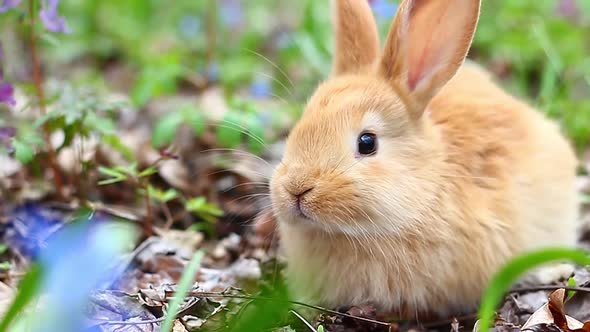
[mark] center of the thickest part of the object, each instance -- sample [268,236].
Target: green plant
[514,269]
[241,121]
[186,281]
[199,205]
[140,177]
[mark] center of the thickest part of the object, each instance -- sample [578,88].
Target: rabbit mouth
[299,210]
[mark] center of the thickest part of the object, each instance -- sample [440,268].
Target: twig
[448,321]
[57,180]
[311,306]
[549,288]
[127,322]
[169,217]
[309,326]
[147,224]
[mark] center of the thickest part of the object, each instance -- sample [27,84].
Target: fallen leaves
[552,317]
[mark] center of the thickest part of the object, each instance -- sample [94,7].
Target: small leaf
[5,265]
[213,210]
[194,117]
[110,181]
[115,174]
[50,39]
[255,133]
[111,172]
[165,129]
[195,204]
[147,172]
[572,283]
[102,125]
[160,195]
[116,143]
[169,195]
[229,131]
[22,152]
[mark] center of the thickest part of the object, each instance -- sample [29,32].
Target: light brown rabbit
[412,177]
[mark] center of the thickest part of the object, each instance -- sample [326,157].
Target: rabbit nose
[298,195]
[302,193]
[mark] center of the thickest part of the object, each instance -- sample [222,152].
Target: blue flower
[231,12]
[50,18]
[189,26]
[8,4]
[76,260]
[261,87]
[384,9]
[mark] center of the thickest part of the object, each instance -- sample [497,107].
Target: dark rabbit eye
[367,144]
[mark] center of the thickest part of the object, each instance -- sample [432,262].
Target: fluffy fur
[465,176]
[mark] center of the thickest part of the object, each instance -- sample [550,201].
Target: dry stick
[549,288]
[147,224]
[169,217]
[448,321]
[126,322]
[41,96]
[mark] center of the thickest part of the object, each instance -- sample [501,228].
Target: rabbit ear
[357,39]
[426,45]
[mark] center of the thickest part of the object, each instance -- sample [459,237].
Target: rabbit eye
[367,144]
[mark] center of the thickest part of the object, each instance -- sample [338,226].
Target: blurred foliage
[272,48]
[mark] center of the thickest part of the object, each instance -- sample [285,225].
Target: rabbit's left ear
[426,45]
[357,39]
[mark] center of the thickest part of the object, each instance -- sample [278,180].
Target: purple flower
[51,20]
[568,8]
[7,93]
[6,136]
[8,4]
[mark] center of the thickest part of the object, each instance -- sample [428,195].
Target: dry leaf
[553,313]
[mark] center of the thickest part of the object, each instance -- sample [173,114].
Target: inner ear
[356,36]
[427,44]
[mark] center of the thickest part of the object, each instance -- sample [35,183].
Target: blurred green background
[539,49]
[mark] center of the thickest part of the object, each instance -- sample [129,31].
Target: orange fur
[464,178]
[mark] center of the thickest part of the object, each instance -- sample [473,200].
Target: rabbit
[411,177]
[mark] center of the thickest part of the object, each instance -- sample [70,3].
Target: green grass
[185,284]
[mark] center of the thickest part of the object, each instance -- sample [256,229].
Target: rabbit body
[464,176]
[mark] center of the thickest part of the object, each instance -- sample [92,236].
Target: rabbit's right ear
[357,39]
[426,45]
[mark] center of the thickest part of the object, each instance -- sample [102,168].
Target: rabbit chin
[357,228]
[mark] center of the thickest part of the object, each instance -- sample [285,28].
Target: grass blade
[28,288]
[186,281]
